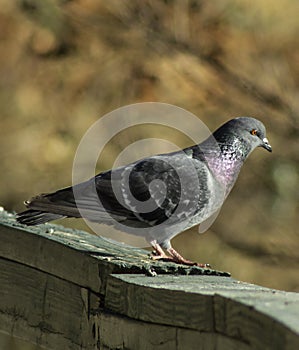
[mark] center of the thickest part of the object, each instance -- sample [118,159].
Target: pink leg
[180,260]
[159,254]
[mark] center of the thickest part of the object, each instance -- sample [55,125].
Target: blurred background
[65,63]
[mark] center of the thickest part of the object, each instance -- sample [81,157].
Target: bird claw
[193,263]
[159,254]
[204,266]
[167,258]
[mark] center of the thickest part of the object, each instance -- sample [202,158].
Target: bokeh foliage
[63,64]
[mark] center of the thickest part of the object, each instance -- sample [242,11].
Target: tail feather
[47,207]
[35,217]
[52,206]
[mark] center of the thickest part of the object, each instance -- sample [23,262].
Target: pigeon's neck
[226,159]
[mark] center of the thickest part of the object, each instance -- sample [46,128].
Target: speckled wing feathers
[179,189]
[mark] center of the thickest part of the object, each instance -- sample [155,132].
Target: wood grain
[67,289]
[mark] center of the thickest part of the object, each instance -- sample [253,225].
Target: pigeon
[160,196]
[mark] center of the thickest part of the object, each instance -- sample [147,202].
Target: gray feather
[181,189]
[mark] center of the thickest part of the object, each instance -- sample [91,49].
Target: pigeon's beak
[266,144]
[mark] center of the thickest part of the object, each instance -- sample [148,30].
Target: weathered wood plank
[266,312]
[209,304]
[85,259]
[60,286]
[192,340]
[151,301]
[46,255]
[132,334]
[43,308]
[143,335]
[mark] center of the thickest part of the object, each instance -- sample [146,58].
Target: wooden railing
[67,289]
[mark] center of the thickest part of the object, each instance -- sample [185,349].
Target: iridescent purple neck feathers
[225,157]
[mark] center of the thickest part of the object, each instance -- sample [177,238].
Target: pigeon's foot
[174,256]
[159,254]
[180,260]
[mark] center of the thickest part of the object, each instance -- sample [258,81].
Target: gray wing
[156,189]
[171,186]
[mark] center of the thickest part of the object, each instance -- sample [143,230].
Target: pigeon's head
[250,131]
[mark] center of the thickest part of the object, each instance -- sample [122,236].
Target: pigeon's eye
[253,132]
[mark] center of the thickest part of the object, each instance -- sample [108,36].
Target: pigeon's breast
[209,195]
[227,164]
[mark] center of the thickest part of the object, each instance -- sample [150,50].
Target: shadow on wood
[67,289]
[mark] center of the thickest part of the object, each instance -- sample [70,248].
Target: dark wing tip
[36,217]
